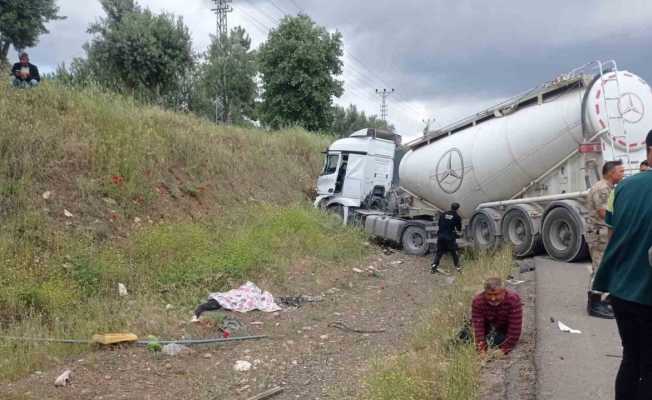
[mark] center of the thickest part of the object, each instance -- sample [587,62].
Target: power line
[283,12]
[297,6]
[257,24]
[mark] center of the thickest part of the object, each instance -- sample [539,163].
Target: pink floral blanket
[247,297]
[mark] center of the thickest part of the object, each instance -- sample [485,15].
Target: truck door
[383,173]
[328,179]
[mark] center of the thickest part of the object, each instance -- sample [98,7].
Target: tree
[349,120]
[134,49]
[228,76]
[22,22]
[299,62]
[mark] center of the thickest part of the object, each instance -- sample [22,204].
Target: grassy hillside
[96,189]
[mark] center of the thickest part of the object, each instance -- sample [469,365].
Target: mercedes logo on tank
[631,107]
[450,171]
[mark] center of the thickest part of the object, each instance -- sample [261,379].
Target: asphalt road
[572,366]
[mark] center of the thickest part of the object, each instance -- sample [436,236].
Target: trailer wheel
[414,241]
[483,232]
[517,231]
[562,236]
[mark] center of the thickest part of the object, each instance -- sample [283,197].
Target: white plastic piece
[565,328]
[122,290]
[63,379]
[242,366]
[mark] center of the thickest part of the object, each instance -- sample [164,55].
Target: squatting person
[626,273]
[496,317]
[23,73]
[596,232]
[450,224]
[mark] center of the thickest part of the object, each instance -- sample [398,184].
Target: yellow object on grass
[114,338]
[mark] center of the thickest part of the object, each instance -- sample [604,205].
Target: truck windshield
[331,164]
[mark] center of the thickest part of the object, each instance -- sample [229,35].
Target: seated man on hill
[25,74]
[496,317]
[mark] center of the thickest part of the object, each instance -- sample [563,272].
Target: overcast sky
[446,59]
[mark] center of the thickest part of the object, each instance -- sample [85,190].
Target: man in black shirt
[450,226]
[25,74]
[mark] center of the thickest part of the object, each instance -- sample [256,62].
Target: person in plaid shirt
[496,317]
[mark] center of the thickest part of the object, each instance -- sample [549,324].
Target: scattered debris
[565,328]
[68,213]
[613,356]
[450,280]
[526,265]
[514,282]
[169,307]
[247,297]
[122,290]
[397,262]
[298,301]
[174,349]
[63,379]
[242,366]
[46,195]
[267,394]
[357,270]
[207,355]
[231,324]
[342,326]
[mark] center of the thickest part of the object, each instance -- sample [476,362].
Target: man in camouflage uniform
[596,230]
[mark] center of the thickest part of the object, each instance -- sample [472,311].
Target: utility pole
[222,10]
[384,94]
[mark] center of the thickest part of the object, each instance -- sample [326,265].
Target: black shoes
[598,308]
[434,269]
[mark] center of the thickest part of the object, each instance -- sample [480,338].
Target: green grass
[170,205]
[435,366]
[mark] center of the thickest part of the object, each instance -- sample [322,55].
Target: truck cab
[358,170]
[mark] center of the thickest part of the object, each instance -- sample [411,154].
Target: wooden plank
[114,338]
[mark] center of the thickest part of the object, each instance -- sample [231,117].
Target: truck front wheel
[414,241]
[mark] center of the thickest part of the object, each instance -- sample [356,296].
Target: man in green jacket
[626,273]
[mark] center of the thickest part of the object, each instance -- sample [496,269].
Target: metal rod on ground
[140,342]
[203,341]
[267,394]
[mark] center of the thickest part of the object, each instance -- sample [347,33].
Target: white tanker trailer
[520,170]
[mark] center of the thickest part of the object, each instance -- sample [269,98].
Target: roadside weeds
[435,365]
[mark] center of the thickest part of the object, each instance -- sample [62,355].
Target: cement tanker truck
[520,170]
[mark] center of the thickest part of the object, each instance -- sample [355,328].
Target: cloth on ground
[247,297]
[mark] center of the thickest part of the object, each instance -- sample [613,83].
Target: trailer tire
[562,236]
[483,232]
[518,231]
[415,241]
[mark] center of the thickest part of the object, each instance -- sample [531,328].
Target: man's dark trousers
[446,246]
[634,380]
